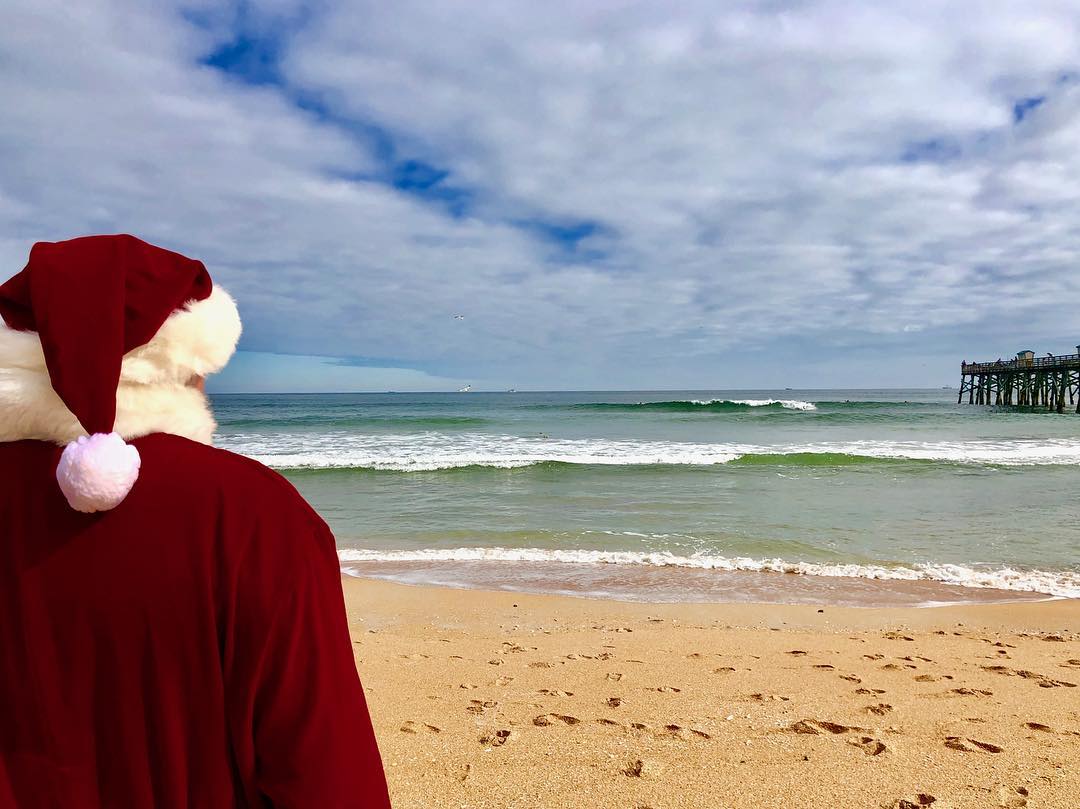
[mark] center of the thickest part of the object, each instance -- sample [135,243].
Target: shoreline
[498,699]
[660,584]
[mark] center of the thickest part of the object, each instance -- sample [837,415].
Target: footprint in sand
[415,727]
[634,769]
[816,726]
[613,702]
[1040,679]
[693,731]
[554,692]
[667,689]
[506,680]
[609,722]
[614,676]
[468,686]
[1038,726]
[932,678]
[874,657]
[797,652]
[851,678]
[964,691]
[869,745]
[496,739]
[1013,798]
[880,709]
[460,772]
[678,732]
[511,648]
[956,743]
[825,666]
[540,665]
[921,800]
[1072,663]
[897,636]
[769,698]
[479,706]
[551,718]
[870,691]
[723,670]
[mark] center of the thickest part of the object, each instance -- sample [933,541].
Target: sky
[582,194]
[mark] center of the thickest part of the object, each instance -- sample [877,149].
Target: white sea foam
[1056,583]
[432,451]
[788,404]
[435,450]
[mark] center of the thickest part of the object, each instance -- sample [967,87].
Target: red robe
[188,648]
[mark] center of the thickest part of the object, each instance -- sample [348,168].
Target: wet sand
[495,699]
[670,584]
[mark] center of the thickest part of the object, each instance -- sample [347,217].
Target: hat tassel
[97,472]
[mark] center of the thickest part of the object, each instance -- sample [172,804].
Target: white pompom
[96,472]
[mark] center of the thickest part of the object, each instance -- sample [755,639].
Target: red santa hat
[93,300]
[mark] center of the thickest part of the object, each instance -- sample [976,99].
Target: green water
[891,485]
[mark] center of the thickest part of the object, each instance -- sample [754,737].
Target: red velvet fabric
[92,300]
[188,648]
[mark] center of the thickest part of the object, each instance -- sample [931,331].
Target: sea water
[871,496]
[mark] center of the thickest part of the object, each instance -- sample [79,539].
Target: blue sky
[608,194]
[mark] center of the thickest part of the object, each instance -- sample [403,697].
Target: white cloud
[743,163]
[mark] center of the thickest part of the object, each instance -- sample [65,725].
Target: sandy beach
[496,699]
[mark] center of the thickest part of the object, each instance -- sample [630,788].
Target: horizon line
[562,390]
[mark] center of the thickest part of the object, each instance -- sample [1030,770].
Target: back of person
[185,646]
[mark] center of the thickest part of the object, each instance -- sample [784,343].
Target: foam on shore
[1063,584]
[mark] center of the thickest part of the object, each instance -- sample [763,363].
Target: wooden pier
[1050,382]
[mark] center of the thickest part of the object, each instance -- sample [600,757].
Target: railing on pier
[1050,363]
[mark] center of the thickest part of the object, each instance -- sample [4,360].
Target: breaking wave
[701,405]
[1064,584]
[430,451]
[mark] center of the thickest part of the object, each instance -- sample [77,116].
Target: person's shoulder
[242,482]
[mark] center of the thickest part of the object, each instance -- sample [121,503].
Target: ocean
[862,497]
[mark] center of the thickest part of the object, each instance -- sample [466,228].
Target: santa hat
[93,300]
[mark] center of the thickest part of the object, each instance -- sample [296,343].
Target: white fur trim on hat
[153,395]
[195,341]
[96,472]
